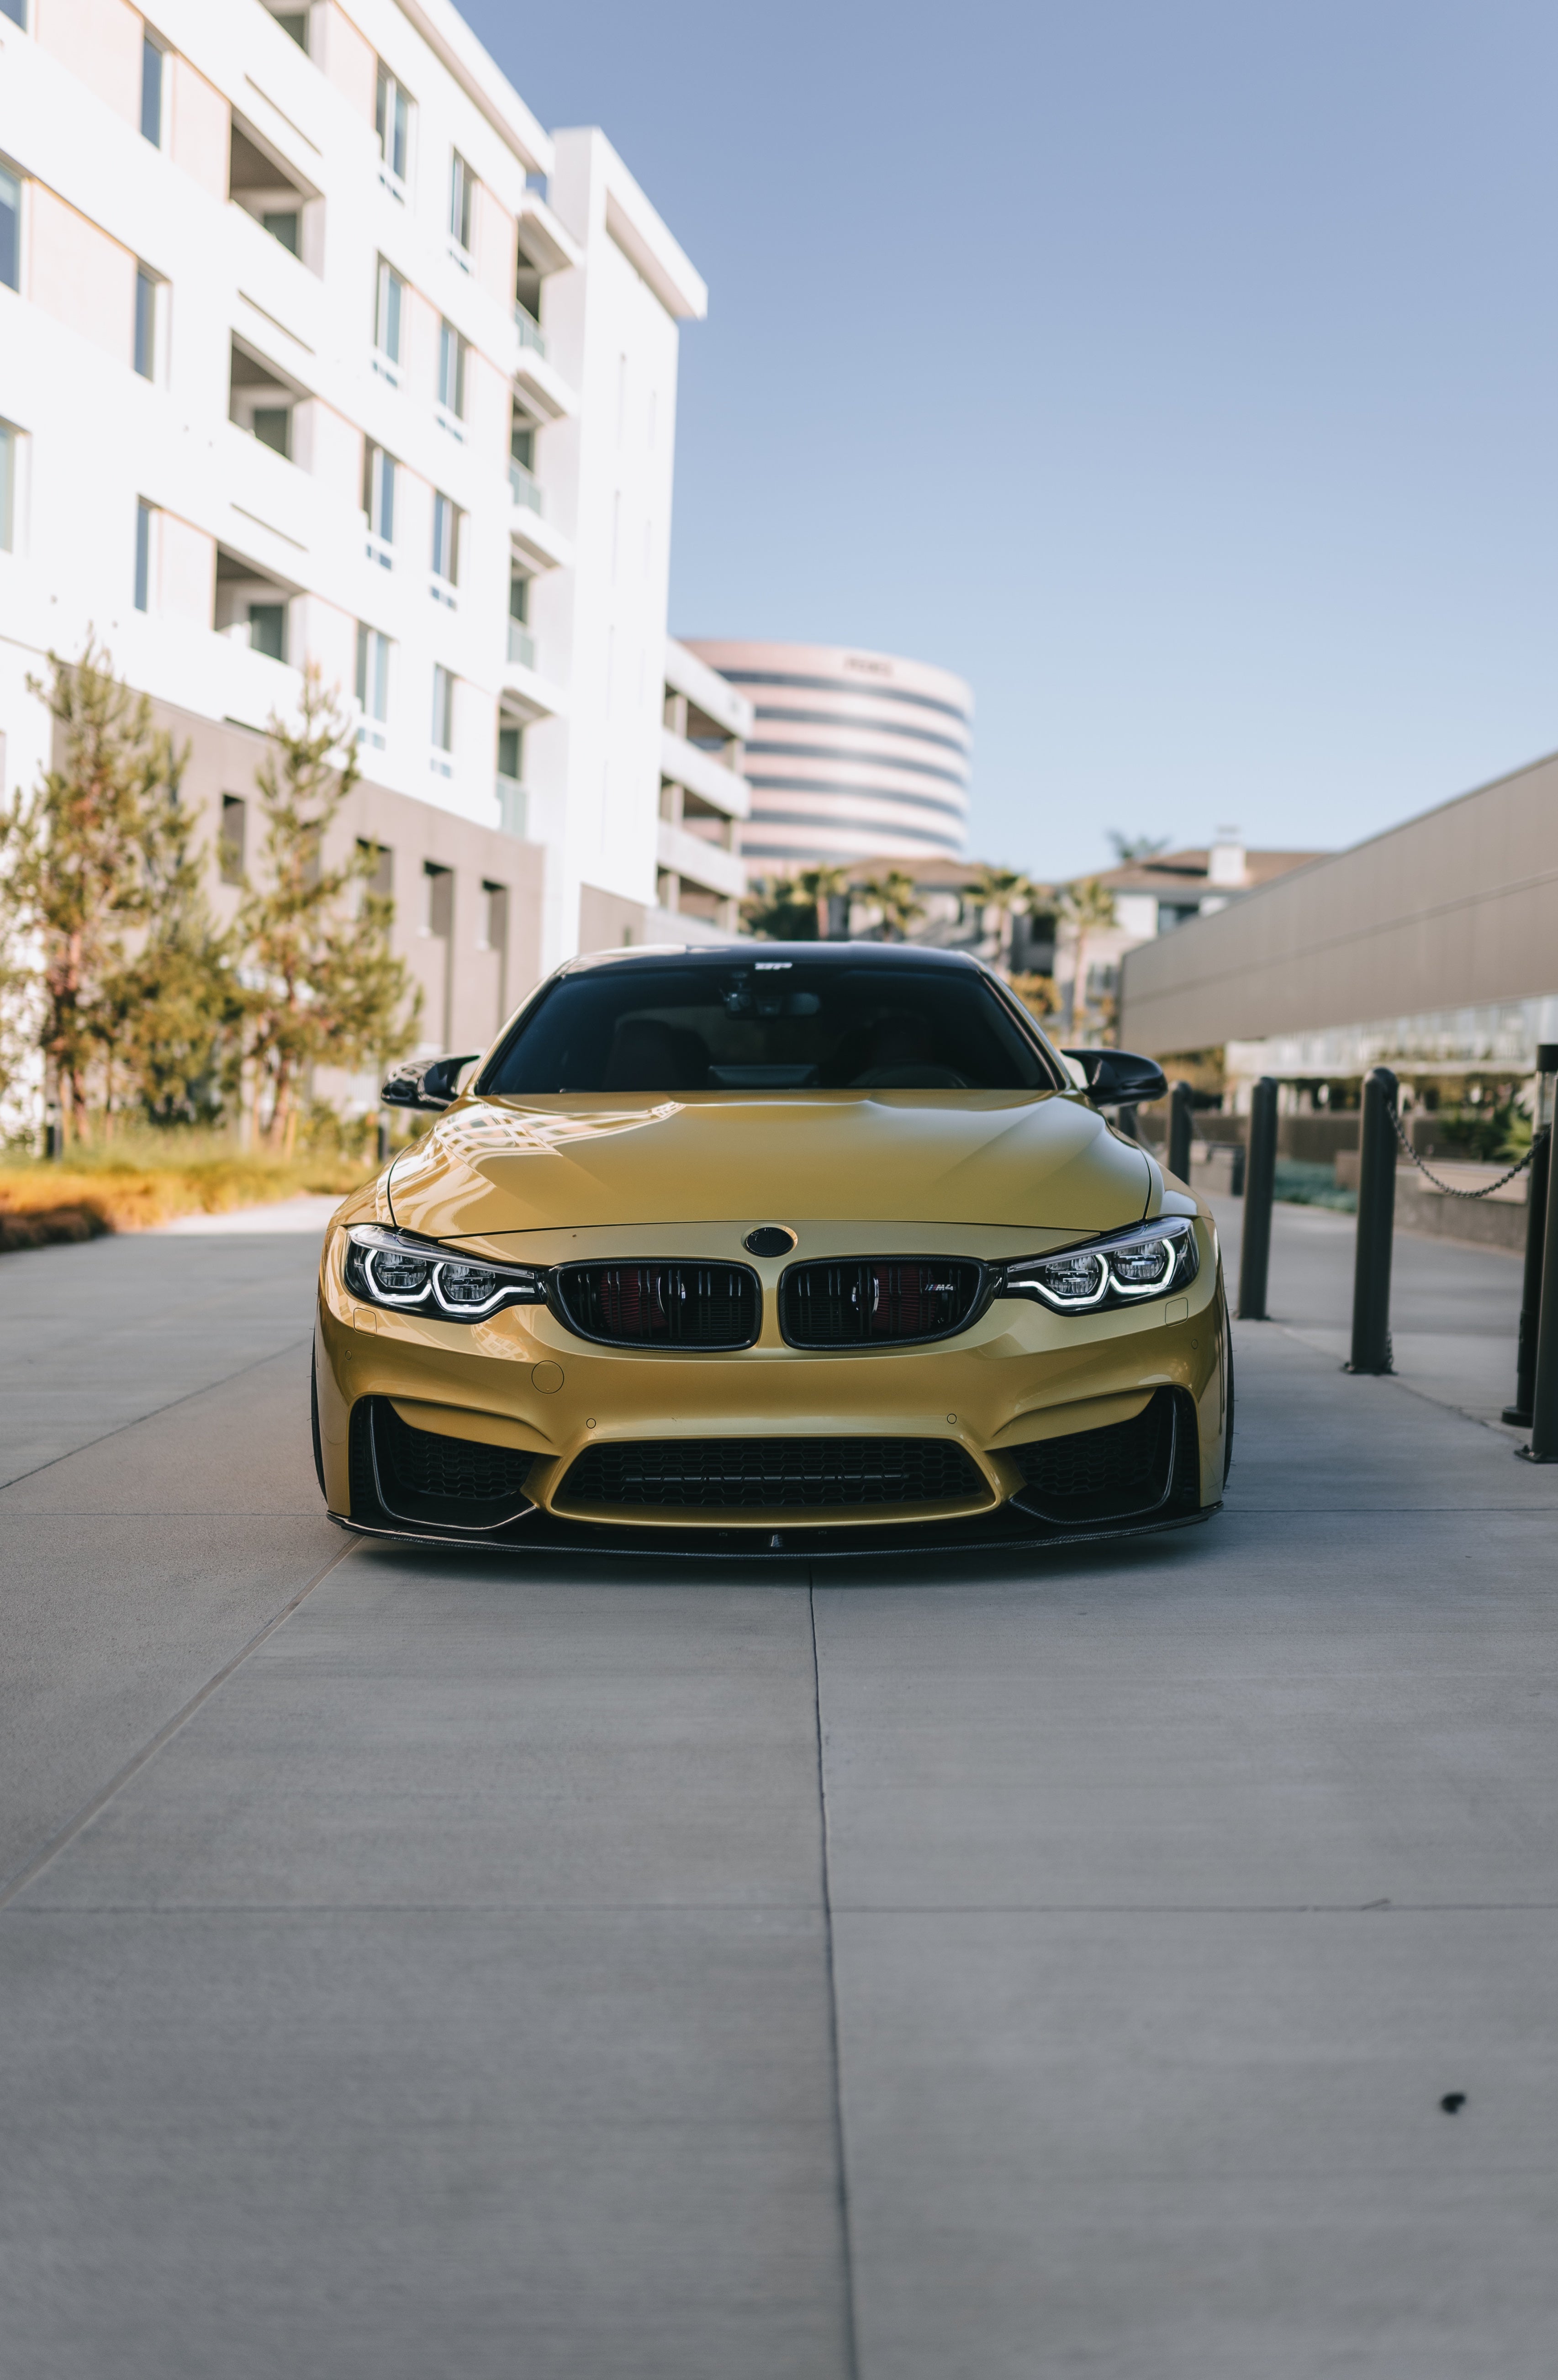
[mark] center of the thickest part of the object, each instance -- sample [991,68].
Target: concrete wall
[1456,909]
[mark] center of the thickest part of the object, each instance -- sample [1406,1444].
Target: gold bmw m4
[804,1247]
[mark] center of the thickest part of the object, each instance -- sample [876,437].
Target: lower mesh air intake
[1115,1474]
[764,1473]
[420,1474]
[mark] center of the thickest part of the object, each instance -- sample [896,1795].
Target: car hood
[1003,1158]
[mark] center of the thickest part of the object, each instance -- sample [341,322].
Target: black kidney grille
[876,1300]
[416,1463]
[660,1305]
[766,1473]
[1101,1474]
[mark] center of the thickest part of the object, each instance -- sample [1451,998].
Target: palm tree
[1005,890]
[895,895]
[1137,849]
[822,886]
[1088,907]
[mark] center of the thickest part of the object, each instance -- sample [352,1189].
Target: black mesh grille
[1101,1474]
[877,1300]
[660,1305]
[764,1472]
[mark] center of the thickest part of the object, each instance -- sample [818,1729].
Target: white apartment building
[315,345]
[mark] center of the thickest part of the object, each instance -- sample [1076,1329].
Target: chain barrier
[1448,1187]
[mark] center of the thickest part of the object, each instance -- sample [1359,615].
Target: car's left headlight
[1147,1261]
[392,1269]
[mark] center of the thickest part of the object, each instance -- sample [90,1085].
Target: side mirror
[433,1084]
[1118,1078]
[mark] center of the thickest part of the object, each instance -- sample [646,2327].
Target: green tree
[1137,849]
[822,886]
[894,896]
[178,1008]
[85,862]
[1005,890]
[320,981]
[778,910]
[1088,907]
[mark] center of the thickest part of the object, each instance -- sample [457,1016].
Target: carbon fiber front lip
[549,1536]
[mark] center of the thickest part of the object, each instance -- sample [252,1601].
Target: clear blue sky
[1182,375]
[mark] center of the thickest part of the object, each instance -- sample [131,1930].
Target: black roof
[764,954]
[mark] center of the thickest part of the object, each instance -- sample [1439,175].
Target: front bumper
[523,1384]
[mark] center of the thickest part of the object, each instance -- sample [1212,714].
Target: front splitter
[543,1533]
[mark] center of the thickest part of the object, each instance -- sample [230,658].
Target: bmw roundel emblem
[768,1240]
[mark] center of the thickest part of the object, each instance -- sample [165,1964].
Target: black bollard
[1179,1131]
[1235,1171]
[1261,1176]
[1530,1287]
[54,1138]
[1376,1225]
[1543,1447]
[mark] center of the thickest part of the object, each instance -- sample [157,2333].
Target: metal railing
[523,486]
[521,645]
[514,806]
[530,330]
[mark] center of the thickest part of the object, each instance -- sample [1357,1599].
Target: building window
[10,471]
[378,503]
[373,685]
[267,630]
[145,323]
[388,313]
[150,90]
[511,753]
[378,864]
[445,547]
[284,223]
[143,555]
[451,371]
[294,23]
[494,917]
[15,10]
[443,720]
[10,230]
[391,118]
[272,427]
[231,838]
[438,896]
[462,195]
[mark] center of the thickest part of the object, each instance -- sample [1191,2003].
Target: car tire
[314,1423]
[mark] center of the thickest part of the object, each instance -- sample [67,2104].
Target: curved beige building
[852,755]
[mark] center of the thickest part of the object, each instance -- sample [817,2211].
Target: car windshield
[770,1026]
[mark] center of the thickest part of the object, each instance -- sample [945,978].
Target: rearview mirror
[1118,1078]
[433,1084]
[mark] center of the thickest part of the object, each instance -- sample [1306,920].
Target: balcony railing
[530,330]
[513,807]
[523,486]
[521,645]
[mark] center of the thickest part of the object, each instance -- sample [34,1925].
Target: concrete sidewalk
[1455,1307]
[990,1969]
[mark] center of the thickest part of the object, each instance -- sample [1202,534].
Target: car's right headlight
[1145,1261]
[392,1269]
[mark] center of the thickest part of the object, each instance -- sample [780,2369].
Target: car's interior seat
[896,1052]
[649,1055]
